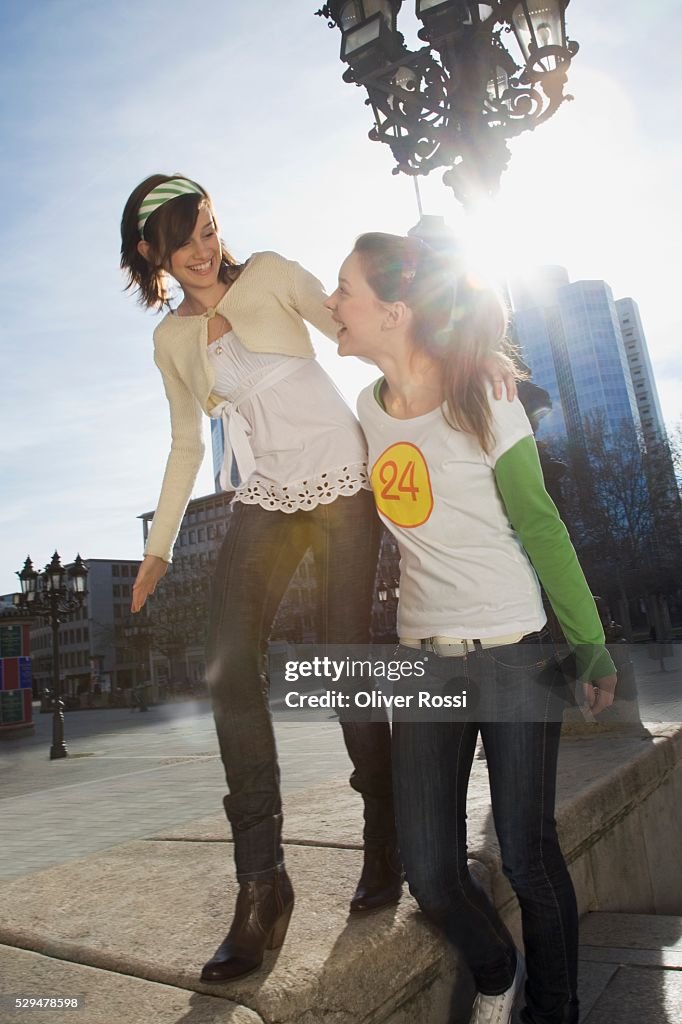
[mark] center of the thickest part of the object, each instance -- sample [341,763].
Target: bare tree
[622,506]
[178,615]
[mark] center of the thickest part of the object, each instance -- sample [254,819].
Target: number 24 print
[401,484]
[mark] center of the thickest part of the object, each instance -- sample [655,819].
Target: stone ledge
[157,911]
[606,783]
[633,931]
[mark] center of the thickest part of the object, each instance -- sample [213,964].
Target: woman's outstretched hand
[498,369]
[150,572]
[599,693]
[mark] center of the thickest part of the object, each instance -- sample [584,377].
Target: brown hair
[167,228]
[456,321]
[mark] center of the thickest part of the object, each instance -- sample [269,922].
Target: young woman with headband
[237,347]
[457,480]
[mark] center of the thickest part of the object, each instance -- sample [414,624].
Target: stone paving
[130,775]
[631,969]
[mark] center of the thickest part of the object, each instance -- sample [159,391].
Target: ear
[396,315]
[144,249]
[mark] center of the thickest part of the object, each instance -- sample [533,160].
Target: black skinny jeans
[259,555]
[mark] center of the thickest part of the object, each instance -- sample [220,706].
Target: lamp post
[52,594]
[455,102]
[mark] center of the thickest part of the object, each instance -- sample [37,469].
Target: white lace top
[307,446]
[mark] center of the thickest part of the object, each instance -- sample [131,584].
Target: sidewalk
[129,775]
[631,964]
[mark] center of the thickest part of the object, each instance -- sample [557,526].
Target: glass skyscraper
[217,451]
[641,371]
[570,337]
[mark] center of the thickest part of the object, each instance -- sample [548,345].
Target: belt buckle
[445,650]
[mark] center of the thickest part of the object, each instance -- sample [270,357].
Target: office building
[217,450]
[92,651]
[570,337]
[641,372]
[181,660]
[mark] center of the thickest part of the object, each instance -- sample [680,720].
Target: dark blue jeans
[260,553]
[431,766]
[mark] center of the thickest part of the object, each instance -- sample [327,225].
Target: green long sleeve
[535,518]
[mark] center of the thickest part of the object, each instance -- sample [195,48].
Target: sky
[248,100]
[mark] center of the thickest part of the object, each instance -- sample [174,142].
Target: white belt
[236,430]
[452,647]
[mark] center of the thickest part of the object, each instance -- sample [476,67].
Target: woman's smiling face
[197,261]
[357,310]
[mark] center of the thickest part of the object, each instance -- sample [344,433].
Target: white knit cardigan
[266,307]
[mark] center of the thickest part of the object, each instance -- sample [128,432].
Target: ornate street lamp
[53,594]
[369,34]
[456,102]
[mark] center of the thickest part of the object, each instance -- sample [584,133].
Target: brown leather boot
[381,881]
[261,919]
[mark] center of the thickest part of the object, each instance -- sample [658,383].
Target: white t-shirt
[463,571]
[307,445]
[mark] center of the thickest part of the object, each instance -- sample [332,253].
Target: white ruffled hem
[305,494]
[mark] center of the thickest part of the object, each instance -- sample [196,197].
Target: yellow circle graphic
[402,486]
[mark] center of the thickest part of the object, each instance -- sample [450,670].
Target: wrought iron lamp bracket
[466,96]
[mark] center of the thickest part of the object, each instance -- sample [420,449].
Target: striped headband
[162,194]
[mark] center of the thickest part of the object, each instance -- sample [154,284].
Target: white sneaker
[498,1009]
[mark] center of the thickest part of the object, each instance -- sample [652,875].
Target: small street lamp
[387,596]
[455,102]
[53,594]
[386,590]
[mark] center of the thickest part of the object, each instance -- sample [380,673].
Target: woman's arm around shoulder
[296,286]
[308,298]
